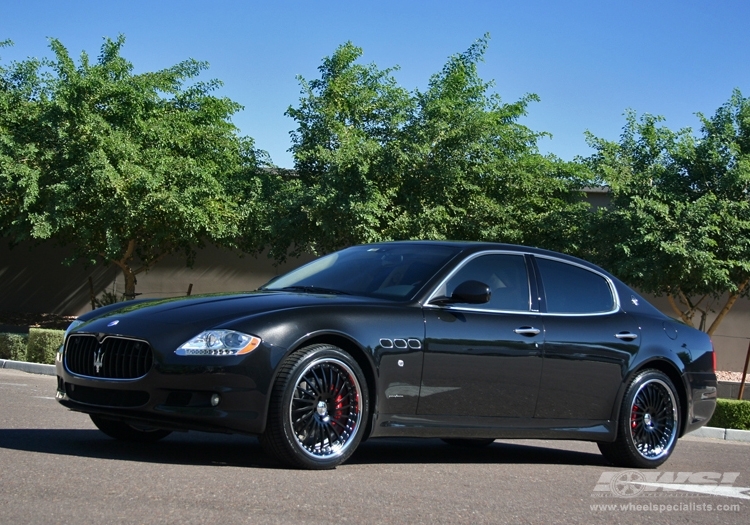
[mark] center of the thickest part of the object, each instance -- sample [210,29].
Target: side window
[506,276]
[571,289]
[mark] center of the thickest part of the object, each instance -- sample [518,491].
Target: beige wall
[32,279]
[732,337]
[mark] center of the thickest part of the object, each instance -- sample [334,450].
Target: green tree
[348,121]
[375,162]
[122,167]
[470,170]
[19,113]
[679,225]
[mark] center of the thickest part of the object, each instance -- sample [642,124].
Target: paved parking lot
[55,467]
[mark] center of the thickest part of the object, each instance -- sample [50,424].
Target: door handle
[527,330]
[626,336]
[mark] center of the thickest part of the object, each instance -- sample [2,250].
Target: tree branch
[148,266]
[678,311]
[730,302]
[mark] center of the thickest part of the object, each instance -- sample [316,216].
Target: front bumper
[176,393]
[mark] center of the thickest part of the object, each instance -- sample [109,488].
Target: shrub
[43,345]
[731,413]
[13,346]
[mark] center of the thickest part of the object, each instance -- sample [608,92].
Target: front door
[484,360]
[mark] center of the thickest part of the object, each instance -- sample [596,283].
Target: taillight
[713,356]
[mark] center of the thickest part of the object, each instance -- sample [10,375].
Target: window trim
[543,293]
[529,275]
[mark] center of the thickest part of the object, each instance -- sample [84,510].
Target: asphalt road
[55,467]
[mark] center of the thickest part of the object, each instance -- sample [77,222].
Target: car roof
[478,246]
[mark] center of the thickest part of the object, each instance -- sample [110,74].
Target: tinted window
[505,275]
[389,271]
[571,289]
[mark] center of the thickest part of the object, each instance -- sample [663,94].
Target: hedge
[731,413]
[43,344]
[13,346]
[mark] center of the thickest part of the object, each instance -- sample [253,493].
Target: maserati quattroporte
[467,342]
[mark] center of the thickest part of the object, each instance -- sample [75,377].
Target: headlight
[219,342]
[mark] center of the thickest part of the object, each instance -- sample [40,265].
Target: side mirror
[468,292]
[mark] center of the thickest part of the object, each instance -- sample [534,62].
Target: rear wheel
[469,443]
[318,409]
[649,423]
[125,432]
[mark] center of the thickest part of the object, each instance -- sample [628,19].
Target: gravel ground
[734,377]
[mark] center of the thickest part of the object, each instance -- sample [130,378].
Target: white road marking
[14,384]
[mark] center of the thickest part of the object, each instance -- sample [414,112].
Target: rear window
[570,289]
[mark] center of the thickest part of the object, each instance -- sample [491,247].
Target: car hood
[182,318]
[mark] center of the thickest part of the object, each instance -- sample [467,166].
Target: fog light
[215,399]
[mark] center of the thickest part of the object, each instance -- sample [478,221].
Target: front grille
[113,358]
[106,397]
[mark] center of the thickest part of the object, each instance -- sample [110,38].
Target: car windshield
[393,271]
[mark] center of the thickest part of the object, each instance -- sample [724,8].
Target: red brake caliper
[337,407]
[633,417]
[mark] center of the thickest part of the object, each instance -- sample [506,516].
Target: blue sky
[588,60]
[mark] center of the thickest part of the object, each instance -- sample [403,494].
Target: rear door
[589,342]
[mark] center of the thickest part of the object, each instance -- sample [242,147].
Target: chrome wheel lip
[321,451]
[654,433]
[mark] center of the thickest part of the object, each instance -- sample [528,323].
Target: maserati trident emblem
[113,323]
[98,361]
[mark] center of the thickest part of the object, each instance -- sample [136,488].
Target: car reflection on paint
[467,342]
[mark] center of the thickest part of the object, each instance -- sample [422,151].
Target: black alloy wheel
[318,409]
[649,423]
[125,432]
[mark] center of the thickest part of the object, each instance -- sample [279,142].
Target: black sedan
[467,342]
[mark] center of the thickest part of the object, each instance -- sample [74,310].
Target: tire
[648,425]
[125,432]
[318,409]
[469,443]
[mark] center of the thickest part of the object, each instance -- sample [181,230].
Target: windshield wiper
[312,289]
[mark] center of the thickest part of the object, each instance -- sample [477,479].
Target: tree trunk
[687,320]
[728,306]
[127,272]
[130,282]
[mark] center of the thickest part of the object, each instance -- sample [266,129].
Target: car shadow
[200,448]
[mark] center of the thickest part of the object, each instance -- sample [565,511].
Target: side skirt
[395,425]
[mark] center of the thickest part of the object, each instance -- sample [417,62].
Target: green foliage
[13,346]
[124,168]
[348,122]
[376,162]
[469,169]
[680,219]
[731,413]
[43,344]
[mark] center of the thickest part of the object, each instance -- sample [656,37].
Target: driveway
[57,468]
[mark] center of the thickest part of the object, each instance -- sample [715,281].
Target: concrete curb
[727,434]
[32,368]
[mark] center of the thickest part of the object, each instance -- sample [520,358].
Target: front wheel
[649,423]
[318,409]
[125,432]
